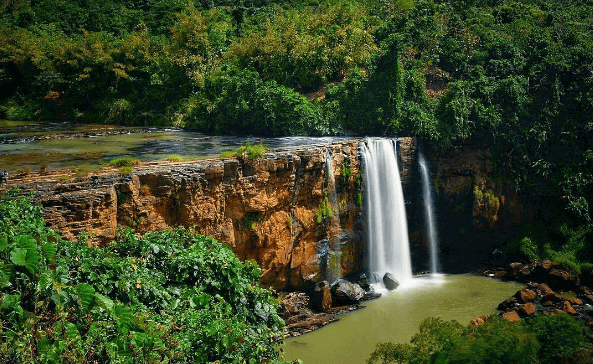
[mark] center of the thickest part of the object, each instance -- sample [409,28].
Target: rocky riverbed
[550,288]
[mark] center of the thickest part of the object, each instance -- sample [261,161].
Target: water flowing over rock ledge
[272,209]
[265,209]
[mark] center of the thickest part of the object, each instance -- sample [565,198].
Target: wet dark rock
[390,282]
[371,294]
[507,304]
[363,282]
[345,292]
[298,317]
[321,297]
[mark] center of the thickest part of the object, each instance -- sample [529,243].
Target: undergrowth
[169,296]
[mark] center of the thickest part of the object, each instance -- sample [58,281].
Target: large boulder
[527,309]
[345,292]
[511,316]
[525,295]
[390,282]
[321,296]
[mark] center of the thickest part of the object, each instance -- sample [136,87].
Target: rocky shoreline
[550,288]
[304,312]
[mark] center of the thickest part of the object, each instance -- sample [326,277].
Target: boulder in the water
[363,282]
[390,282]
[346,292]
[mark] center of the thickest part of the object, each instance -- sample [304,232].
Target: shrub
[124,162]
[545,339]
[170,296]
[174,158]
[251,152]
[126,170]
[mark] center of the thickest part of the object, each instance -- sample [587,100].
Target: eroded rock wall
[271,209]
[266,209]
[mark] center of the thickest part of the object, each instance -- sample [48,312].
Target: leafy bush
[251,152]
[242,103]
[174,158]
[126,170]
[546,338]
[171,296]
[124,162]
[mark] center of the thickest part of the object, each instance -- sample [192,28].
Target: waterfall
[334,264]
[429,215]
[387,228]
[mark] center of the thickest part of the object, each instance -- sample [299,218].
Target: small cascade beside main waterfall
[386,222]
[429,215]
[330,205]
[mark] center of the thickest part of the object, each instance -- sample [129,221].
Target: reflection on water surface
[89,148]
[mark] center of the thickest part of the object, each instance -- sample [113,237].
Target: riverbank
[396,316]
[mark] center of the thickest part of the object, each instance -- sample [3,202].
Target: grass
[126,170]
[252,152]
[228,154]
[124,162]
[174,158]
[23,170]
[81,171]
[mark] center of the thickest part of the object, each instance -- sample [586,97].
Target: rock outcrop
[269,209]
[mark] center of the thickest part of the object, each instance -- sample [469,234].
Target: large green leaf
[3,243]
[104,302]
[6,273]
[25,252]
[86,295]
[49,250]
[124,317]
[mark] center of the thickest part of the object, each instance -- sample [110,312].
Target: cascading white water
[387,228]
[334,264]
[429,215]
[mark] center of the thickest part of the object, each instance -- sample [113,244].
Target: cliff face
[270,210]
[299,220]
[476,213]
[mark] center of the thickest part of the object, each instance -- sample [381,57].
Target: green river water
[397,315]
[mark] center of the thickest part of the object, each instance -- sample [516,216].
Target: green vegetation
[126,170]
[170,296]
[324,210]
[513,76]
[251,152]
[228,154]
[81,171]
[174,158]
[124,162]
[250,220]
[557,338]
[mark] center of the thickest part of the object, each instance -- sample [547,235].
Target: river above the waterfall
[66,145]
[397,315]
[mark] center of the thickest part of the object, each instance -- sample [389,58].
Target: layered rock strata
[270,209]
